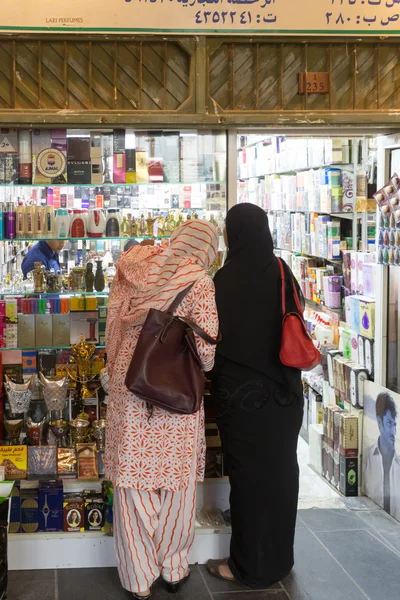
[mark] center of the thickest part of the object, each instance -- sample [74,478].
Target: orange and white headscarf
[151,277]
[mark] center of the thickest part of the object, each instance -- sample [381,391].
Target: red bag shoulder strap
[295,294]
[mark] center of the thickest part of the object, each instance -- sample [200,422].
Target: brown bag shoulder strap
[172,308]
[200,332]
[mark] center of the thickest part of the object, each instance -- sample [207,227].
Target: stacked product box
[340,450]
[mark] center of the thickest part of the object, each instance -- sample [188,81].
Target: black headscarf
[248,295]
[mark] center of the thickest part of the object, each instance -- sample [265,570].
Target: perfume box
[61,330]
[15,461]
[348,436]
[107,157]
[44,331]
[15,509]
[358,377]
[51,513]
[29,363]
[26,331]
[142,173]
[74,513]
[130,165]
[66,463]
[369,357]
[95,158]
[42,462]
[87,461]
[29,510]
[78,155]
[47,362]
[348,476]
[367,318]
[119,158]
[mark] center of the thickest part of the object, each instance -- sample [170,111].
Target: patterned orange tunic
[156,452]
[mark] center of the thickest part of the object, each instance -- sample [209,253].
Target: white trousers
[153,533]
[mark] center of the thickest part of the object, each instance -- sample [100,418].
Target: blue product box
[51,512]
[15,510]
[354,309]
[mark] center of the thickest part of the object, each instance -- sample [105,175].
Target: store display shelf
[106,185]
[297,170]
[31,349]
[88,239]
[331,260]
[340,215]
[322,307]
[27,294]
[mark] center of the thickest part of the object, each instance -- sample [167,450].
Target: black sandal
[174,587]
[213,568]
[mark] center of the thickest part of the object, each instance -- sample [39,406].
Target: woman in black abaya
[259,404]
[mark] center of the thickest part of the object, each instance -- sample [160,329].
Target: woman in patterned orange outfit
[155,460]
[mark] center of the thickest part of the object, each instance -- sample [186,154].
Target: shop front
[113,134]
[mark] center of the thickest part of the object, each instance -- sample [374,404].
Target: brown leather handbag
[165,369]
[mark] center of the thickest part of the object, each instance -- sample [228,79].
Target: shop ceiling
[198,82]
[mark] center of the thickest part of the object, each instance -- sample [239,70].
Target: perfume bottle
[20,221]
[99,282]
[10,221]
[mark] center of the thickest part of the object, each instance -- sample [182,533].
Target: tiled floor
[345,550]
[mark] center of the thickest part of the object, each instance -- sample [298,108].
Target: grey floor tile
[374,567]
[104,584]
[319,519]
[316,576]
[216,585]
[90,584]
[194,589]
[264,595]
[43,575]
[392,538]
[33,590]
[379,520]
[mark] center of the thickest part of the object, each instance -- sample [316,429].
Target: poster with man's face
[381,447]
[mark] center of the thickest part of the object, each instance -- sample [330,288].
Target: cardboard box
[66,463]
[51,515]
[74,513]
[349,470]
[42,462]
[358,376]
[29,510]
[94,513]
[44,331]
[15,509]
[349,440]
[15,461]
[367,318]
[86,455]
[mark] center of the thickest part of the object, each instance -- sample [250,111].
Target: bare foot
[142,594]
[225,571]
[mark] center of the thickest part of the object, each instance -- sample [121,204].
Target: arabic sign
[329,17]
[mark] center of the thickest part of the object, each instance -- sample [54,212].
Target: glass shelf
[106,185]
[33,348]
[298,170]
[87,239]
[55,295]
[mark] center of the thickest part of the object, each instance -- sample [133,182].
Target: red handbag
[297,347]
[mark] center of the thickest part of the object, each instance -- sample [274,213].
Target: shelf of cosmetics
[79,156]
[52,322]
[312,234]
[18,221]
[323,286]
[325,191]
[49,507]
[279,154]
[335,442]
